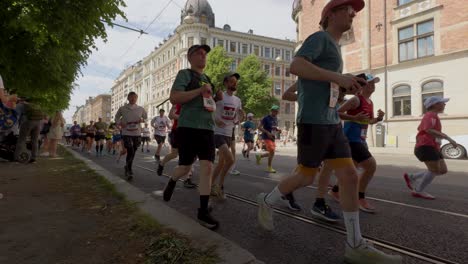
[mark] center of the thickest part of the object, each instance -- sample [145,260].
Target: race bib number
[334,94]
[229,113]
[209,104]
[132,126]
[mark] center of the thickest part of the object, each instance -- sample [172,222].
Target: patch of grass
[163,246]
[169,248]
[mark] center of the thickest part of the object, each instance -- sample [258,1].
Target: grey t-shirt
[131,116]
[314,96]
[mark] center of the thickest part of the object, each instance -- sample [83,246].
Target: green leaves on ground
[46,42]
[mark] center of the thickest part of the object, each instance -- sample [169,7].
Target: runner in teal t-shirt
[320,136]
[249,132]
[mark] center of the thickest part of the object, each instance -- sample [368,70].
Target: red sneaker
[423,195]
[408,181]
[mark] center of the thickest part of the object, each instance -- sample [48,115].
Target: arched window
[402,100]
[431,88]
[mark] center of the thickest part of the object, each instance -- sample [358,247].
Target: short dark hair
[131,93]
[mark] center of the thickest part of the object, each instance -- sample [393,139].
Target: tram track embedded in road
[413,253]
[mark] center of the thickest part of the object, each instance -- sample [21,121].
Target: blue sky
[266,17]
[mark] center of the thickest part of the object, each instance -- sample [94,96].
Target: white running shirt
[160,124]
[145,132]
[226,111]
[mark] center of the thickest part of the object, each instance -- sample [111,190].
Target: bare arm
[351,104]
[290,94]
[441,135]
[182,97]
[309,71]
[172,113]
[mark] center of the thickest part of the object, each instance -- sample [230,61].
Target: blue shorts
[116,138]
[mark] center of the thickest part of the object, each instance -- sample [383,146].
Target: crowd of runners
[331,134]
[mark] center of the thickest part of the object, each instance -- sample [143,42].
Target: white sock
[353,229]
[274,196]
[425,181]
[416,176]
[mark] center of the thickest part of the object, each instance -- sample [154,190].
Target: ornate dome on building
[197,11]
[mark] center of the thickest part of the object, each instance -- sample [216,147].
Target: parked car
[451,152]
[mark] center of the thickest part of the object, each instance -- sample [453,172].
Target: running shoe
[325,212]
[259,158]
[205,219]
[334,195]
[265,213]
[157,158]
[235,172]
[189,184]
[365,206]
[290,201]
[160,169]
[408,181]
[214,190]
[270,170]
[169,190]
[221,195]
[128,174]
[423,195]
[366,253]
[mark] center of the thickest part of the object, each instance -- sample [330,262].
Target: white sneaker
[235,172]
[366,253]
[265,213]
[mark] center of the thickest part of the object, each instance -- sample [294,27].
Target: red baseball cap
[357,5]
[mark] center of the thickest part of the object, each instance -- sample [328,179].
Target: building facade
[94,108]
[152,77]
[418,49]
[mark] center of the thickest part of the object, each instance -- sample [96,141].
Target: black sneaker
[291,202]
[160,169]
[128,173]
[157,158]
[325,212]
[169,190]
[205,219]
[189,184]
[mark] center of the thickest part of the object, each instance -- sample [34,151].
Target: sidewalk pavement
[36,211]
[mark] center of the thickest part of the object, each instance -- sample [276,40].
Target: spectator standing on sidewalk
[55,133]
[29,126]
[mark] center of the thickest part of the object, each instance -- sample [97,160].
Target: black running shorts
[359,151]
[99,137]
[221,140]
[173,139]
[316,143]
[195,143]
[427,153]
[160,139]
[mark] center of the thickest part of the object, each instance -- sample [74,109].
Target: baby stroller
[8,120]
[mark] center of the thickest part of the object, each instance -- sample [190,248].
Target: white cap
[430,101]
[250,115]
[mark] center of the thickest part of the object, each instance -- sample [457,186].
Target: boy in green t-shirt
[195,132]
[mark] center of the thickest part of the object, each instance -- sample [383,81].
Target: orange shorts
[270,145]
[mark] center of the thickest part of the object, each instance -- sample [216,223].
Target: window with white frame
[267,52]
[245,49]
[267,69]
[277,88]
[234,65]
[278,71]
[402,100]
[277,53]
[232,46]
[221,42]
[203,41]
[256,50]
[287,72]
[416,41]
[403,2]
[431,88]
[287,55]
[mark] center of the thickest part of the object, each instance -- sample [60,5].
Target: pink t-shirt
[430,121]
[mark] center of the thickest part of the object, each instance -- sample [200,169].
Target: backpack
[33,112]
[195,81]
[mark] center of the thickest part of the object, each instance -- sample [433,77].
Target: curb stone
[228,251]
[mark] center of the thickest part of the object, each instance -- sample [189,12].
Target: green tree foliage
[254,88]
[218,65]
[44,43]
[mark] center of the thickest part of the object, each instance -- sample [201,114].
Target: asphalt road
[422,231]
